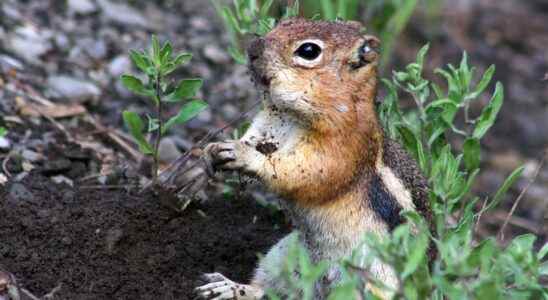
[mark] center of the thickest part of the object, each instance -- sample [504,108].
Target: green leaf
[510,180]
[409,139]
[417,255]
[472,153]
[484,82]
[187,112]
[136,126]
[231,20]
[328,11]
[186,89]
[156,58]
[153,124]
[489,113]
[165,53]
[237,55]
[135,85]
[543,269]
[140,60]
[3,131]
[182,59]
[263,13]
[543,251]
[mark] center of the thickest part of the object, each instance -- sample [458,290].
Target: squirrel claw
[222,288]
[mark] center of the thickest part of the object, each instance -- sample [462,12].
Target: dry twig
[500,234]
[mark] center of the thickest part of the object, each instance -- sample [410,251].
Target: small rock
[5,144]
[62,179]
[31,155]
[66,240]
[82,7]
[19,193]
[201,120]
[168,151]
[229,111]
[19,177]
[44,213]
[96,49]
[62,41]
[119,65]
[27,166]
[3,179]
[216,54]
[29,42]
[56,166]
[8,63]
[5,280]
[69,197]
[122,14]
[114,235]
[72,88]
[200,23]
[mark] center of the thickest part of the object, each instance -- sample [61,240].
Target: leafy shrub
[156,64]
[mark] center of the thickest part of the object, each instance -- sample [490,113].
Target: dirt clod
[266,148]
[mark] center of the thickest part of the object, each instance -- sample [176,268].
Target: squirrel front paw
[231,155]
[222,288]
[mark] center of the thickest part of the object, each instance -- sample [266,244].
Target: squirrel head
[316,69]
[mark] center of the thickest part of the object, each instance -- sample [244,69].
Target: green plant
[463,268]
[387,18]
[247,17]
[3,131]
[156,64]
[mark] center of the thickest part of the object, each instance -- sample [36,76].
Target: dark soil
[110,244]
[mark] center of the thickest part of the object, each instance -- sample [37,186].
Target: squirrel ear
[369,50]
[366,51]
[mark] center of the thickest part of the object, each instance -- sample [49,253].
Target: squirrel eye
[309,51]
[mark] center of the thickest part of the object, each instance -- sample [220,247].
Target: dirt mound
[115,244]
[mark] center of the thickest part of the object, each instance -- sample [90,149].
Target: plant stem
[159,130]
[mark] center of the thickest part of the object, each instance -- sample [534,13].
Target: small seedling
[247,17]
[157,64]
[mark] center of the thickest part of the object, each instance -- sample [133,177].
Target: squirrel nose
[256,48]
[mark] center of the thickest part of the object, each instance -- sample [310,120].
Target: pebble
[96,49]
[3,179]
[229,111]
[168,151]
[31,155]
[119,65]
[29,43]
[56,166]
[73,89]
[203,119]
[9,63]
[122,14]
[59,179]
[19,193]
[216,54]
[5,144]
[82,7]
[62,41]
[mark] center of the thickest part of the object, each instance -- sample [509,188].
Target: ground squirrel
[319,145]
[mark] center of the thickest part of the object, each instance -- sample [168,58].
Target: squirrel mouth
[264,80]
